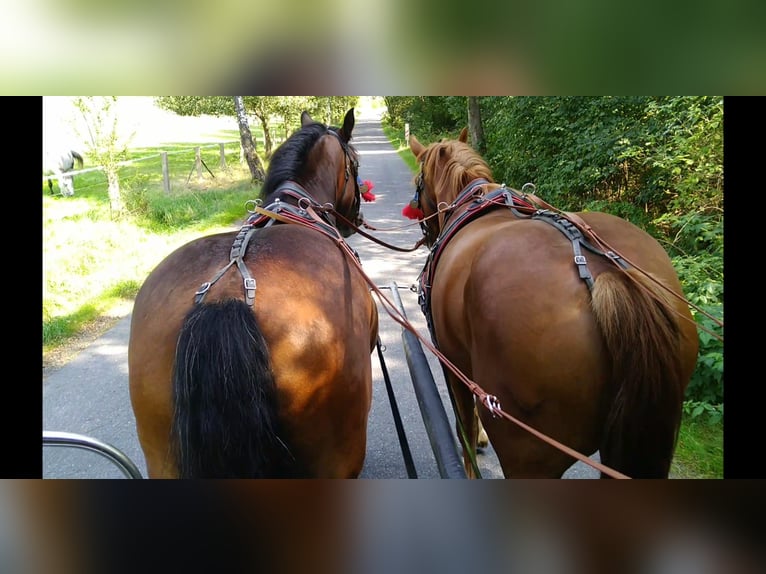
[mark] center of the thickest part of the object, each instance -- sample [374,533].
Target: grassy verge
[699,453]
[396,137]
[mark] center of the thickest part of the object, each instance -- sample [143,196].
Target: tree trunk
[267,143]
[475,128]
[116,206]
[246,138]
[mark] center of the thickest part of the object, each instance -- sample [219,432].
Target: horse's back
[315,312]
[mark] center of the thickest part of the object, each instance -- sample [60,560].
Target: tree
[264,108]
[253,161]
[104,145]
[475,128]
[196,105]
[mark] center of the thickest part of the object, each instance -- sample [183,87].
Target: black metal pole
[406,453]
[437,423]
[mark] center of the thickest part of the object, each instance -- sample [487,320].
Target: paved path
[90,395]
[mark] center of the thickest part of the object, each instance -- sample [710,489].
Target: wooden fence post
[165,172]
[223,156]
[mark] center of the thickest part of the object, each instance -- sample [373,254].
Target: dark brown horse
[591,345]
[250,351]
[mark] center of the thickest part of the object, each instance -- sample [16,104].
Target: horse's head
[446,167]
[324,165]
[335,151]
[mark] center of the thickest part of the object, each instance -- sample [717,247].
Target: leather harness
[308,212]
[265,217]
[481,203]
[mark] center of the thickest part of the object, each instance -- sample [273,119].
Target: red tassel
[366,188]
[412,212]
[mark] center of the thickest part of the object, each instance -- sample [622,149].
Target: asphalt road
[89,396]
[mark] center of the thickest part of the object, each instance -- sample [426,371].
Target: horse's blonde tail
[225,404]
[643,339]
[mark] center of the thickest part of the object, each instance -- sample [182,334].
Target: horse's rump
[308,334]
[254,346]
[511,311]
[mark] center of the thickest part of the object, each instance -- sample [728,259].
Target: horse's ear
[348,125]
[416,147]
[306,119]
[463,137]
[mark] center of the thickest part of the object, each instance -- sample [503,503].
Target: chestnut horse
[250,351]
[592,346]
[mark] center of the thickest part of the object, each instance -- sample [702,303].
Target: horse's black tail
[78,158]
[225,402]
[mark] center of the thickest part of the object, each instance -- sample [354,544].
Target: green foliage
[712,412]
[329,109]
[398,110]
[428,116]
[707,381]
[277,116]
[701,275]
[197,105]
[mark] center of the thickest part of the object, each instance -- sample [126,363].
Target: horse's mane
[289,159]
[453,164]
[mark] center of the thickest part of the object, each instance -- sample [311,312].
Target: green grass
[396,137]
[699,453]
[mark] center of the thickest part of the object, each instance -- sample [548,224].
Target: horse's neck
[294,193]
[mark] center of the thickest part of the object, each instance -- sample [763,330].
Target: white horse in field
[60,164]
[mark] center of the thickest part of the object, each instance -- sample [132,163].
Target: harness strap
[237,253]
[238,249]
[571,225]
[574,235]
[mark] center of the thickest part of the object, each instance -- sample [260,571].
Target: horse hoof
[483,441]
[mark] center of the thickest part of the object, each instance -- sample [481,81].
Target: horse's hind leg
[468,431]
[523,455]
[483,439]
